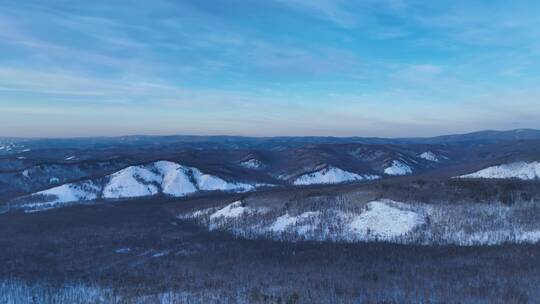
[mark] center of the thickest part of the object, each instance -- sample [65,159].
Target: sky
[387,68]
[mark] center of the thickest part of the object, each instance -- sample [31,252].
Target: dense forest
[140,252]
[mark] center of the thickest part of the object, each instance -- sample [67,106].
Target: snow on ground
[63,194]
[230,211]
[70,158]
[428,155]
[26,173]
[529,236]
[224,215]
[520,170]
[251,164]
[160,254]
[285,221]
[398,168]
[176,179]
[123,250]
[132,181]
[198,213]
[385,220]
[145,180]
[331,175]
[497,237]
[381,220]
[9,147]
[209,182]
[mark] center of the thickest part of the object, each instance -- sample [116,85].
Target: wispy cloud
[300,67]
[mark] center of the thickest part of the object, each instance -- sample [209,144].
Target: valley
[253,223]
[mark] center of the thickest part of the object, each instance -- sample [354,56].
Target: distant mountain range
[240,142]
[58,166]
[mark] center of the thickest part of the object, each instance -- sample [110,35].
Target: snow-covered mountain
[398,168]
[31,166]
[161,177]
[331,175]
[519,170]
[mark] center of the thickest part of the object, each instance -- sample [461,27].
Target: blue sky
[275,67]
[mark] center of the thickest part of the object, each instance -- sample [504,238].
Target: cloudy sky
[273,67]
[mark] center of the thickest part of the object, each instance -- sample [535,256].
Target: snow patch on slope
[230,211]
[398,168]
[226,214]
[428,155]
[331,175]
[520,170]
[251,164]
[175,179]
[209,182]
[385,220]
[64,194]
[132,181]
[285,221]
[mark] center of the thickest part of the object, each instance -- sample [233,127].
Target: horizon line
[258,137]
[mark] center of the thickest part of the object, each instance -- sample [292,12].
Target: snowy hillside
[251,164]
[132,182]
[520,170]
[398,168]
[331,175]
[381,220]
[428,155]
[385,221]
[64,194]
[137,181]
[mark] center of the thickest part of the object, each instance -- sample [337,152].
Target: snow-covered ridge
[64,194]
[519,170]
[398,168]
[161,177]
[217,218]
[381,220]
[428,155]
[331,175]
